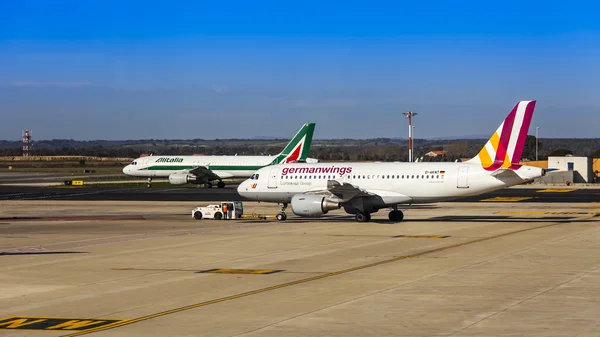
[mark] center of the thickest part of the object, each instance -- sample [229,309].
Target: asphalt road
[552,195]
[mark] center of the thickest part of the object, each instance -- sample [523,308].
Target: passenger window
[403,176]
[422,176]
[427,176]
[412,177]
[388,177]
[437,177]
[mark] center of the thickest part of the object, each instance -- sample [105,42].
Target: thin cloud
[219,88]
[325,103]
[68,84]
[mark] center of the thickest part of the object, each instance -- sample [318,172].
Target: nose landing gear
[281,216]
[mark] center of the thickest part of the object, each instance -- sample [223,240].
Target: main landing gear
[362,217]
[394,216]
[281,216]
[220,184]
[149,184]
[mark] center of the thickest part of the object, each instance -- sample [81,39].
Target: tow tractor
[236,210]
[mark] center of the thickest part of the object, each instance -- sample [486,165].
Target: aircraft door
[347,178]
[463,175]
[273,177]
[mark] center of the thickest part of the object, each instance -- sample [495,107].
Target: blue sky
[225,69]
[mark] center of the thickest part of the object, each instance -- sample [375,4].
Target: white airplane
[364,188]
[204,169]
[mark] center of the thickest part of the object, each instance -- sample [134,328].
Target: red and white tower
[409,115]
[26,143]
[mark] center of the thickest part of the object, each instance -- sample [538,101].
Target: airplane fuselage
[395,183]
[223,166]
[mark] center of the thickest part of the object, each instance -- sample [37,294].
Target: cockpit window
[254,177]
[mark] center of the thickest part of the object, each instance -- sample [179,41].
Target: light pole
[537,130]
[413,151]
[409,115]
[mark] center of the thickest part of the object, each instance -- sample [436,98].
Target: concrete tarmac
[178,193]
[142,268]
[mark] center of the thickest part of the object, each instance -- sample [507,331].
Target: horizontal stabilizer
[509,177]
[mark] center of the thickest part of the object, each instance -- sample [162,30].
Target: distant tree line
[379,149]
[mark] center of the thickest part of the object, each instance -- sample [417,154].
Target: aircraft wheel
[197,215]
[208,185]
[220,184]
[218,216]
[149,185]
[396,216]
[362,217]
[281,217]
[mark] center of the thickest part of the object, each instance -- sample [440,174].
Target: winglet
[297,149]
[505,147]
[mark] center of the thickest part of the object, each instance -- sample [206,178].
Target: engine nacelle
[179,178]
[312,205]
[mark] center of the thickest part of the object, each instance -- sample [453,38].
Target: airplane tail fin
[297,149]
[505,147]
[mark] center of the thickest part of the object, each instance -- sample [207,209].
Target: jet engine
[179,178]
[312,205]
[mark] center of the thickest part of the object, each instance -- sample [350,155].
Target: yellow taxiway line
[301,281]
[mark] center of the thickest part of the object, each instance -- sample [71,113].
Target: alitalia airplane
[205,169]
[364,188]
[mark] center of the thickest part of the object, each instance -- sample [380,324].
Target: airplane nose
[126,169]
[243,187]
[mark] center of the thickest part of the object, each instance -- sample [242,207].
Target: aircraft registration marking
[507,199]
[56,323]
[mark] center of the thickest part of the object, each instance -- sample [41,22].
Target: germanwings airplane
[205,169]
[364,188]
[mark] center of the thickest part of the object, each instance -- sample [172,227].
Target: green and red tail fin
[297,149]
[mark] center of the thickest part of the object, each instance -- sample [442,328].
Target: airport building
[569,169]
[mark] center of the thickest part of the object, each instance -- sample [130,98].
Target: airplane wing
[347,192]
[204,173]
